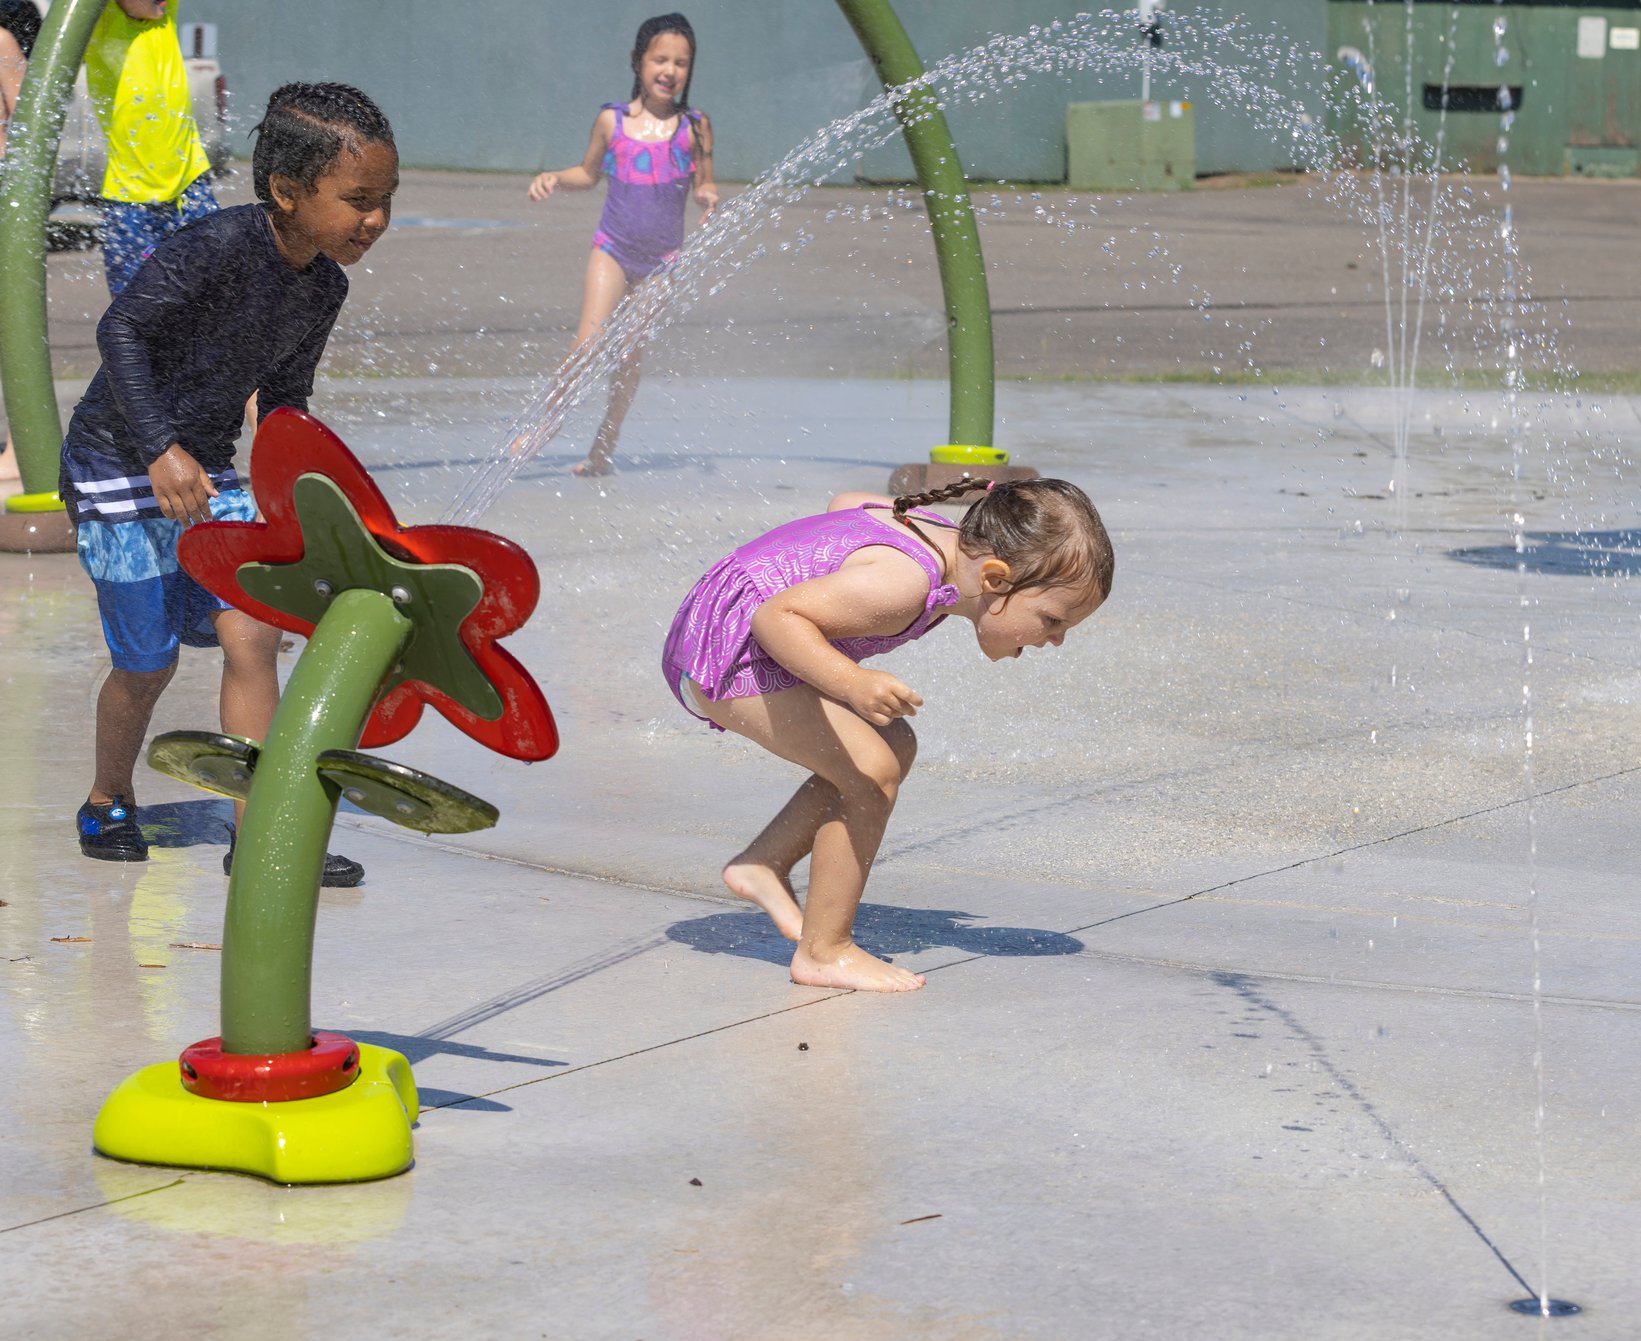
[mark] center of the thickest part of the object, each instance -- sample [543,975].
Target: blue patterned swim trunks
[149,605]
[131,232]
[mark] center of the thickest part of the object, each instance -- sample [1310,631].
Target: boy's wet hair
[648,31]
[305,130]
[22,20]
[1047,532]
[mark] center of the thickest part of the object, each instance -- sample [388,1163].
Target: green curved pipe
[279,855]
[946,196]
[25,201]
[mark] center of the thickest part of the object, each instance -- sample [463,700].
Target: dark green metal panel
[1604,101]
[1572,72]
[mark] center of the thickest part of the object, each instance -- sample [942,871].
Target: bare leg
[846,844]
[864,768]
[250,682]
[623,387]
[602,292]
[125,704]
[762,871]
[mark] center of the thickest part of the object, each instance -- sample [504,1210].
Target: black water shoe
[340,872]
[110,832]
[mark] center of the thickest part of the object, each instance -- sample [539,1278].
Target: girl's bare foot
[593,465]
[770,891]
[854,969]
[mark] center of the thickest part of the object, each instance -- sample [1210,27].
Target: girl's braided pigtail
[906,502]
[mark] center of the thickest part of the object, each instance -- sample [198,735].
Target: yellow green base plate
[959,454]
[52,502]
[352,1136]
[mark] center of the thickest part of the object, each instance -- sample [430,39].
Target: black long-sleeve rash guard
[213,315]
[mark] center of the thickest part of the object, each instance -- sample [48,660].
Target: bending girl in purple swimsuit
[768,643]
[653,149]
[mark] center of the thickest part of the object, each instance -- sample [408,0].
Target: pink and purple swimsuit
[642,226]
[711,639]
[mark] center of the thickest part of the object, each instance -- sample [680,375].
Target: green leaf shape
[341,554]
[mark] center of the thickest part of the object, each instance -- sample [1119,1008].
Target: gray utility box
[1130,145]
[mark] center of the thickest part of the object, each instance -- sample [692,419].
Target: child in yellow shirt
[157,175]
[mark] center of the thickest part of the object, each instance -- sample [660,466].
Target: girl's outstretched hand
[543,186]
[880,698]
[706,196]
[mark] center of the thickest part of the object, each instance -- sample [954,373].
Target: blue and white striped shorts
[149,605]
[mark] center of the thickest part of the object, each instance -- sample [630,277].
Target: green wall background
[515,84]
[1578,114]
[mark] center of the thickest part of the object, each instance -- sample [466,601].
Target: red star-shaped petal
[290,444]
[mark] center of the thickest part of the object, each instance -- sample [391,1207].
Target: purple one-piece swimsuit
[711,639]
[642,226]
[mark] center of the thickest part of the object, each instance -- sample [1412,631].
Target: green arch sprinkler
[35,519]
[969,450]
[396,618]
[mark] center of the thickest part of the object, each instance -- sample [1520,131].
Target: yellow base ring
[955,455]
[352,1136]
[52,502]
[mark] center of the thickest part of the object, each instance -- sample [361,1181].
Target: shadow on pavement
[186,823]
[473,1103]
[1564,553]
[419,1047]
[880,928]
[202,823]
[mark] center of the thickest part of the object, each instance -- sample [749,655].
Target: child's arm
[706,190]
[12,68]
[874,594]
[587,173]
[160,296]
[290,381]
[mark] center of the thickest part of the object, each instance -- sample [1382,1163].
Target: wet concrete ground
[473,278]
[1227,908]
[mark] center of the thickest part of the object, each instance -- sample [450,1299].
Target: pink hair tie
[990,485]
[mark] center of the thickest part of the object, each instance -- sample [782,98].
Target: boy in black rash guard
[241,301]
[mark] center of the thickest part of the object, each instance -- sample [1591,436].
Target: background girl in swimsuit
[768,645]
[656,151]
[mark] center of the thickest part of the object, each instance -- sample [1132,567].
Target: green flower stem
[273,897]
[951,217]
[25,201]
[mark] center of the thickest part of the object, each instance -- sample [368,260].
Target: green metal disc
[208,759]
[404,795]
